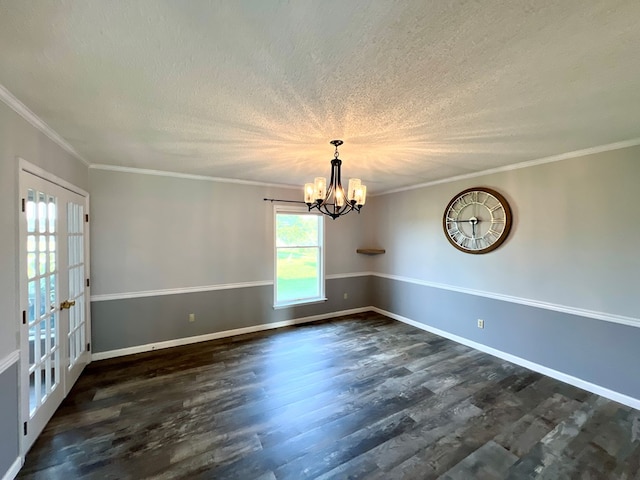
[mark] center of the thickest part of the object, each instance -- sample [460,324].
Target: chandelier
[333,200]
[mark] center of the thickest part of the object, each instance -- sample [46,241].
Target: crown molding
[21,109]
[516,166]
[188,176]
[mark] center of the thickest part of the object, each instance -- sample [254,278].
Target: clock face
[477,220]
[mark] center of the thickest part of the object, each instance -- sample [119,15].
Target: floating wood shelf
[370,251]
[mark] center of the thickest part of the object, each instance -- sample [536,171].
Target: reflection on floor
[358,397]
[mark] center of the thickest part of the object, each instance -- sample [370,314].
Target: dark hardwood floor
[358,397]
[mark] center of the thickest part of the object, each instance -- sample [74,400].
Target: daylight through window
[299,262]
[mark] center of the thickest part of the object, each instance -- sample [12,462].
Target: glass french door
[55,315]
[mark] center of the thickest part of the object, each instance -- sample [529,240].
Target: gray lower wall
[600,352]
[9,432]
[138,321]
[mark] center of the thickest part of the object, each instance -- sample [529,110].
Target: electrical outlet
[346,295]
[480,323]
[192,317]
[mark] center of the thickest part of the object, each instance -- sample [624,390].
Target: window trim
[291,210]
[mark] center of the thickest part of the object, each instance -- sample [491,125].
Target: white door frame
[25,166]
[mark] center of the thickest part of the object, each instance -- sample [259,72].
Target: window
[299,262]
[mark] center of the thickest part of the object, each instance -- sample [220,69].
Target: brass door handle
[67,304]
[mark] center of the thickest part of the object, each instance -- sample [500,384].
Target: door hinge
[24,205]
[88,282]
[24,317]
[86,217]
[88,347]
[24,427]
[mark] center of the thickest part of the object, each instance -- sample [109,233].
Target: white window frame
[291,210]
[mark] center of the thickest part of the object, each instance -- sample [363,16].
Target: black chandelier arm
[331,190]
[283,201]
[333,213]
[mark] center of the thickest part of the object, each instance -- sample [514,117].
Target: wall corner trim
[226,333]
[9,360]
[563,377]
[14,469]
[189,176]
[607,317]
[21,109]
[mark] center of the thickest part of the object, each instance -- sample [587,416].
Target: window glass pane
[297,230]
[298,274]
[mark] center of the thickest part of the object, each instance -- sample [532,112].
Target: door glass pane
[43,297]
[31,299]
[52,325]
[33,403]
[31,211]
[33,351]
[51,213]
[42,213]
[75,242]
[43,383]
[52,291]
[42,264]
[43,339]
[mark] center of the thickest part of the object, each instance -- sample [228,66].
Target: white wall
[574,241]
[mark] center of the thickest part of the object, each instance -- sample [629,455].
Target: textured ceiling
[255,90]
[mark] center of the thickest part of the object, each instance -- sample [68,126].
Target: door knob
[67,304]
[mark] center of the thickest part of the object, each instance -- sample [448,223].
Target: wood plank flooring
[359,397]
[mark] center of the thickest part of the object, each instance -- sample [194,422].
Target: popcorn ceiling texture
[255,90]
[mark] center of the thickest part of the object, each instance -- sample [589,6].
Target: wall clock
[477,220]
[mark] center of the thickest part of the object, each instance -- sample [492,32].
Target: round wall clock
[477,220]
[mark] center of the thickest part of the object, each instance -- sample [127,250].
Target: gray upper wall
[18,138]
[573,242]
[151,232]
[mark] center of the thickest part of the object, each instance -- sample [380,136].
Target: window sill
[311,301]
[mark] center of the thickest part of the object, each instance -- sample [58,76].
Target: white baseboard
[227,333]
[563,377]
[13,469]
